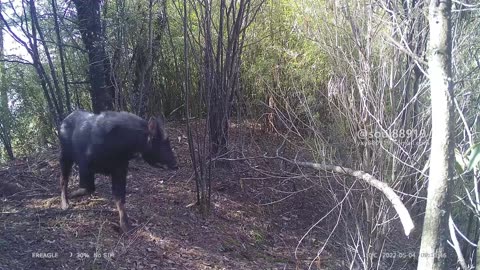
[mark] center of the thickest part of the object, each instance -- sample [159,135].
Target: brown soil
[256,222]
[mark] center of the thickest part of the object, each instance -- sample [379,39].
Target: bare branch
[456,244]
[402,211]
[17,61]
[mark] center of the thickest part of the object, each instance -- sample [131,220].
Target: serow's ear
[152,127]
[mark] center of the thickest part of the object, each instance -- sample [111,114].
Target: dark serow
[104,143]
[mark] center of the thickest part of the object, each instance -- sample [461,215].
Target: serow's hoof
[80,192]
[124,228]
[64,205]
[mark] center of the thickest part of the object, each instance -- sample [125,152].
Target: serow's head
[159,152]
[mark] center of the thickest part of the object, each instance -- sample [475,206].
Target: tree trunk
[88,12]
[5,116]
[62,56]
[48,90]
[53,96]
[222,67]
[56,92]
[435,226]
[146,52]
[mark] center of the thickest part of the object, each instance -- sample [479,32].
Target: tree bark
[88,12]
[435,226]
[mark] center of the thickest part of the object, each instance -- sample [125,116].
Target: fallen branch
[369,179]
[402,211]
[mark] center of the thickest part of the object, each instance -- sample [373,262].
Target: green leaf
[474,156]
[460,163]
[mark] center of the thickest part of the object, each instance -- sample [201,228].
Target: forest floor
[256,222]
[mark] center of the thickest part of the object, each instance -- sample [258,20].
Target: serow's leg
[87,183]
[119,186]
[66,167]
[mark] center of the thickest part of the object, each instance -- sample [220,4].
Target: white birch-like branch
[402,211]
